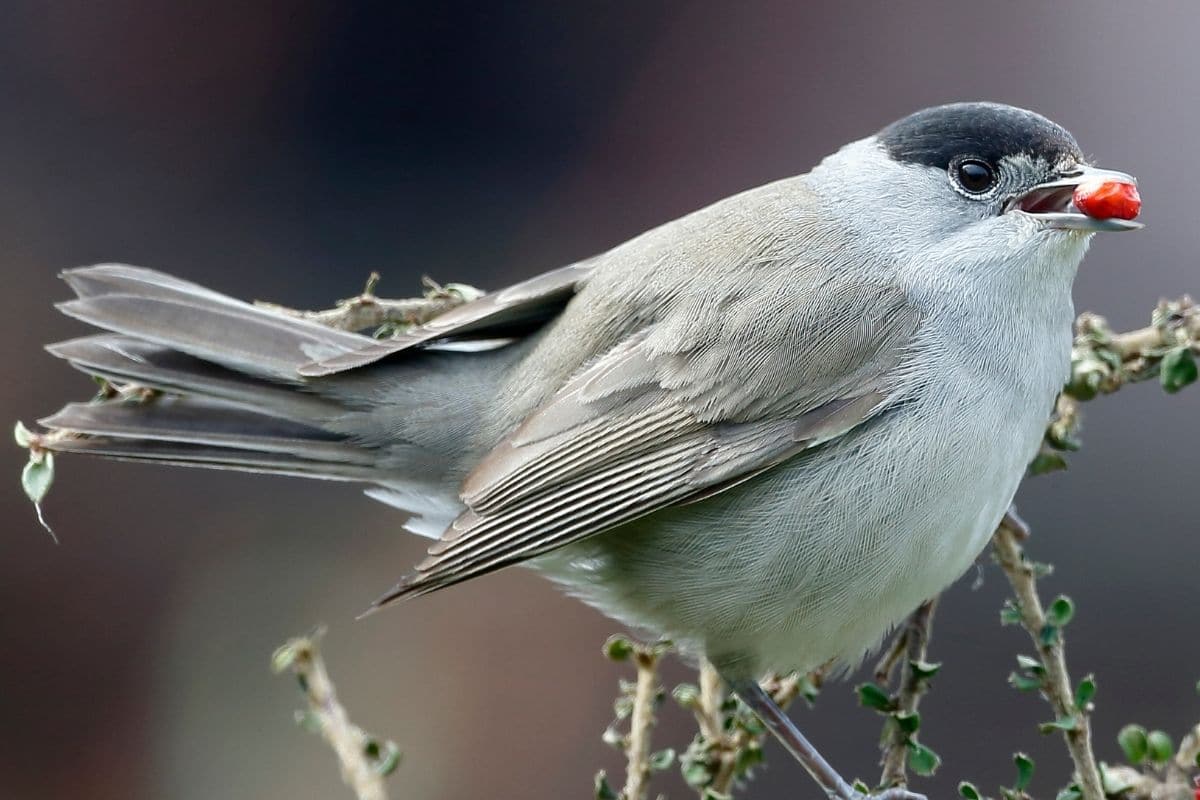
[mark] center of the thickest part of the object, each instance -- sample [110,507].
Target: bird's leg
[794,741]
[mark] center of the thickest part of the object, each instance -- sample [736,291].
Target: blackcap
[767,430]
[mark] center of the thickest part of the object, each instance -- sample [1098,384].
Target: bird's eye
[975,176]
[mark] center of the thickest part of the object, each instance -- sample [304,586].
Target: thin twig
[912,642]
[364,761]
[1056,685]
[641,723]
[366,310]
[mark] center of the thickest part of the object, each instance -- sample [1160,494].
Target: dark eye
[975,176]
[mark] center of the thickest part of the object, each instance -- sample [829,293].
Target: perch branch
[911,644]
[641,723]
[364,760]
[366,310]
[1071,718]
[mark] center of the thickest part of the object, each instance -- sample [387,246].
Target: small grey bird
[768,430]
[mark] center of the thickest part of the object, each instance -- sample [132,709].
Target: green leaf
[748,758]
[1048,635]
[872,696]
[22,435]
[1159,747]
[1031,664]
[696,773]
[921,759]
[967,790]
[618,648]
[613,737]
[1024,771]
[686,695]
[38,475]
[1072,792]
[662,759]
[909,721]
[808,689]
[1084,693]
[1060,611]
[1134,744]
[1067,723]
[1010,614]
[602,791]
[1024,683]
[752,725]
[1046,461]
[308,720]
[924,670]
[384,759]
[1178,369]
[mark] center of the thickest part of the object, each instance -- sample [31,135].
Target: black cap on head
[988,131]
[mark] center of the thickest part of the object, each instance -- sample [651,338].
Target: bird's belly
[818,558]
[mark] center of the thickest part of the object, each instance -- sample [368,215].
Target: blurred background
[284,152]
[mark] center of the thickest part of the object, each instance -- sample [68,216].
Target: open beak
[1054,203]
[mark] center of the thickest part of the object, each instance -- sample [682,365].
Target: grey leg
[794,741]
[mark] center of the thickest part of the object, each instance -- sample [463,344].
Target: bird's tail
[199,379]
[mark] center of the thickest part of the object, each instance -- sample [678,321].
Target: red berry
[1106,200]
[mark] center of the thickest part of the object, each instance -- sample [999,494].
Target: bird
[767,430]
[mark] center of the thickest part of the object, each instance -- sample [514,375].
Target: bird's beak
[1066,204]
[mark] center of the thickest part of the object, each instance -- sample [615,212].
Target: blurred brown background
[284,152]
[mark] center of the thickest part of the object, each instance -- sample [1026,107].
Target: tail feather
[204,422]
[123,359]
[182,455]
[230,394]
[157,308]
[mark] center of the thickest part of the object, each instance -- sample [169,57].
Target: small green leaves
[1178,369]
[1030,676]
[1024,771]
[1134,744]
[22,435]
[1010,613]
[618,648]
[1064,724]
[1084,693]
[1047,461]
[383,758]
[687,695]
[613,737]
[921,759]
[924,670]
[747,759]
[308,720]
[1159,747]
[601,790]
[909,721]
[38,475]
[1072,792]
[872,696]
[694,764]
[661,760]
[1060,611]
[967,791]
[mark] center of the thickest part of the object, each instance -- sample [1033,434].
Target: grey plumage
[768,429]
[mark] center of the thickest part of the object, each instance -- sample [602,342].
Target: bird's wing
[683,409]
[505,313]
